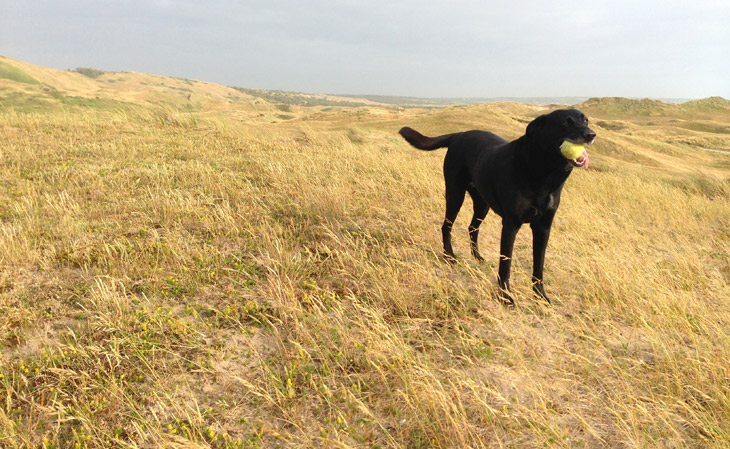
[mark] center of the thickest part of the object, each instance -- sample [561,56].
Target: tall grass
[190,281]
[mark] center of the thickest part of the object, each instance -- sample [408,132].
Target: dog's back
[464,148]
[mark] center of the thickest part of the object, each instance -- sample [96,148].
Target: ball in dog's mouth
[575,153]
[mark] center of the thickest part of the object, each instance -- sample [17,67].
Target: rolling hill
[188,265]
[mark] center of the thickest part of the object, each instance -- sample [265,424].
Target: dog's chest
[535,207]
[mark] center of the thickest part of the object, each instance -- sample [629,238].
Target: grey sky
[469,48]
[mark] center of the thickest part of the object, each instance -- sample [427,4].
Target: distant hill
[301,99]
[458,101]
[28,87]
[358,100]
[463,101]
[617,107]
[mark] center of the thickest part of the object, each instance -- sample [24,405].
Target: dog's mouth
[582,160]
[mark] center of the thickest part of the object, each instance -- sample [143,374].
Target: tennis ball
[571,150]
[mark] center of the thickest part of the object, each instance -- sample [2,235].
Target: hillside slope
[130,92]
[126,86]
[246,274]
[29,87]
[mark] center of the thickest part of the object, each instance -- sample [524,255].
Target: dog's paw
[507,299]
[539,289]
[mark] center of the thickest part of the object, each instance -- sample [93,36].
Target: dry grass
[200,282]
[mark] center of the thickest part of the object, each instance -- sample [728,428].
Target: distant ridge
[460,101]
[709,102]
[646,107]
[25,86]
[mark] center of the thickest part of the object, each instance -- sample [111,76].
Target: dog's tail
[422,142]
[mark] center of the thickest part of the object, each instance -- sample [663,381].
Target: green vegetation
[49,99]
[12,73]
[91,73]
[23,102]
[216,280]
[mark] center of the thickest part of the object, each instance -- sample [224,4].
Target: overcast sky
[465,48]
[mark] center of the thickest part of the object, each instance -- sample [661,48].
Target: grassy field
[205,269]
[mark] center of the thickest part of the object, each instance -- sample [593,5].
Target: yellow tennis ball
[571,150]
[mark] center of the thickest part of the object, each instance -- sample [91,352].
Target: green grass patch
[91,73]
[24,102]
[12,73]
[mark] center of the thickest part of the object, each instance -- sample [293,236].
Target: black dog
[520,180]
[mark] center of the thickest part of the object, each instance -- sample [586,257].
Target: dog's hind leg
[480,211]
[454,199]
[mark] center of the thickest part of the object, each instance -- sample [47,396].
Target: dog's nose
[589,135]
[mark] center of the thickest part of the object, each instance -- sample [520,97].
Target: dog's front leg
[509,232]
[540,235]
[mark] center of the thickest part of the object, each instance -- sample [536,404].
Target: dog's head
[548,132]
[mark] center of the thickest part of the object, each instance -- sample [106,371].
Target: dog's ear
[535,124]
